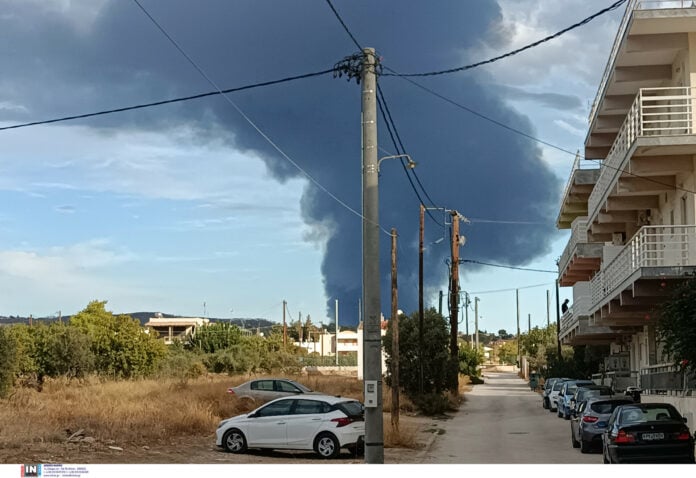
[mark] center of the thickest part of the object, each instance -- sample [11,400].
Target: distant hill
[143,317]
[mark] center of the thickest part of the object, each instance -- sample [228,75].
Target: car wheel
[234,441]
[574,442]
[566,415]
[326,445]
[545,404]
[559,412]
[584,446]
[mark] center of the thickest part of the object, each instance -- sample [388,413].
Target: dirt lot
[202,450]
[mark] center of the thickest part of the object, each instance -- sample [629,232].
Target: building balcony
[654,144]
[650,36]
[580,259]
[575,326]
[629,289]
[583,177]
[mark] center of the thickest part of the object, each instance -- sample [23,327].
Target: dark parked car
[585,392]
[647,433]
[589,421]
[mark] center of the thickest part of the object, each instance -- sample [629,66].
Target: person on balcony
[564,306]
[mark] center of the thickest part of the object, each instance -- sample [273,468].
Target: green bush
[432,403]
[8,361]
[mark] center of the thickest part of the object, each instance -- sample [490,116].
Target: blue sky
[171,208]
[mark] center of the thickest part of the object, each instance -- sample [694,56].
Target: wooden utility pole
[421,344]
[395,337]
[285,326]
[548,309]
[439,308]
[454,299]
[529,323]
[476,301]
[519,350]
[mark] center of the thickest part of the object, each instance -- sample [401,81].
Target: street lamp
[411,164]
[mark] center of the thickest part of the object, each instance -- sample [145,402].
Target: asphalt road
[503,422]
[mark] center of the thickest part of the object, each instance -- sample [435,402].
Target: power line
[169,101]
[538,140]
[248,120]
[345,27]
[610,8]
[511,289]
[507,267]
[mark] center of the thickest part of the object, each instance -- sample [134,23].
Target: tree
[676,326]
[469,360]
[436,354]
[120,345]
[214,337]
[8,359]
[507,352]
[60,349]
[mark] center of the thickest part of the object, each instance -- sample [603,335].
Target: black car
[647,433]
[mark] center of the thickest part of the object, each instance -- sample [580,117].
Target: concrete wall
[685,405]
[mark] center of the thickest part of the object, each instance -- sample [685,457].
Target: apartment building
[629,201]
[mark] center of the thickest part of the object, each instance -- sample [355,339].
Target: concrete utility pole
[337,332]
[285,326]
[374,434]
[439,307]
[395,337]
[558,322]
[476,301]
[519,353]
[466,313]
[421,344]
[454,299]
[548,309]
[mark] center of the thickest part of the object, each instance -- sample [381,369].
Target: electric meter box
[370,393]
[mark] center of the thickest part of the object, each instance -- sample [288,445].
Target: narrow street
[502,422]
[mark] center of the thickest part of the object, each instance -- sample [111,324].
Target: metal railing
[655,112]
[665,379]
[617,380]
[652,246]
[571,319]
[578,235]
[630,7]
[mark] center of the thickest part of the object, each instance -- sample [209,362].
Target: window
[262,385]
[311,406]
[283,386]
[274,409]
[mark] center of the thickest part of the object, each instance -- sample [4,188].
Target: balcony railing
[632,5]
[652,246]
[571,318]
[654,112]
[666,379]
[578,235]
[619,381]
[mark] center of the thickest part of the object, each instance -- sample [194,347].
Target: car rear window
[640,415]
[352,408]
[557,386]
[606,407]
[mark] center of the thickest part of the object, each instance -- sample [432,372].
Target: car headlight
[222,423]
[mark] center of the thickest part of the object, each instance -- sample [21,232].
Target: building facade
[629,201]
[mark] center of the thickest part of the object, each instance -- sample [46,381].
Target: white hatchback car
[323,423]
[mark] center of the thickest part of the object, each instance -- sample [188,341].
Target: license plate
[653,436]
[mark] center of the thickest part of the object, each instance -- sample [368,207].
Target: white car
[323,423]
[553,395]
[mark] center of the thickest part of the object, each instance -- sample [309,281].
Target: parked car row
[622,428]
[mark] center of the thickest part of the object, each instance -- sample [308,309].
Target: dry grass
[150,411]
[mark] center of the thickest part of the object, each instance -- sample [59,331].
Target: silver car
[265,389]
[590,420]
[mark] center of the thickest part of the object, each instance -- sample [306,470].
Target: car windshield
[557,386]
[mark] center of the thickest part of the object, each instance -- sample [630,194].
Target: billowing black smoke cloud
[465,163]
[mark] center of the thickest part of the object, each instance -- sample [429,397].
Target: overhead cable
[610,8]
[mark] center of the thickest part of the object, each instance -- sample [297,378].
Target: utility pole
[285,326]
[30,319]
[466,313]
[548,309]
[529,323]
[421,345]
[519,354]
[374,434]
[558,323]
[336,332]
[60,317]
[395,337]
[439,308]
[476,301]
[454,300]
